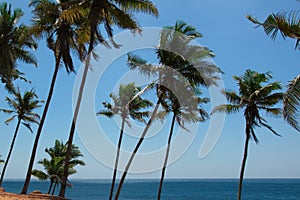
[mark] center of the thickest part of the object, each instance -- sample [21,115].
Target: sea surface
[181,189]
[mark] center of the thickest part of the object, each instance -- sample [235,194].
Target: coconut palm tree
[109,13]
[15,41]
[63,36]
[182,111]
[175,53]
[22,109]
[287,23]
[126,107]
[253,97]
[54,166]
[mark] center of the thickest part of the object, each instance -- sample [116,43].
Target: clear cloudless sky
[237,45]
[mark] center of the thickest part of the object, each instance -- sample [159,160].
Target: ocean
[181,189]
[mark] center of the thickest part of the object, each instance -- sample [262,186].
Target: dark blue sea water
[204,189]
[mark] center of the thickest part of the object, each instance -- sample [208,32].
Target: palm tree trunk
[136,149]
[72,130]
[55,184]
[50,187]
[117,160]
[239,196]
[10,151]
[166,159]
[39,131]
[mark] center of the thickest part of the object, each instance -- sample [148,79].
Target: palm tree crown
[22,107]
[54,166]
[14,39]
[126,106]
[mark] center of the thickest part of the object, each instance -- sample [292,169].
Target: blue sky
[237,45]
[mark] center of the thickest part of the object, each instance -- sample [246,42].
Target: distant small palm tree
[54,166]
[125,106]
[22,109]
[253,97]
[287,23]
[186,111]
[15,39]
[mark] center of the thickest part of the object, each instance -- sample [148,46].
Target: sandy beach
[34,195]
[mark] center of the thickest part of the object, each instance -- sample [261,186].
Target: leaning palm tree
[287,23]
[15,40]
[22,109]
[192,65]
[62,36]
[186,111]
[252,98]
[54,166]
[126,107]
[109,13]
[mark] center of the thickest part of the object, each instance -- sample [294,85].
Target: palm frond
[291,103]
[226,108]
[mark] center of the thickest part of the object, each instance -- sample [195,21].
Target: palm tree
[22,109]
[182,111]
[62,37]
[252,98]
[14,41]
[54,166]
[191,64]
[287,23]
[109,13]
[125,106]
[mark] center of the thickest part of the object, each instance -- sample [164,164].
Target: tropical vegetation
[54,166]
[22,109]
[109,13]
[287,23]
[127,107]
[253,98]
[186,65]
[182,73]
[62,37]
[15,39]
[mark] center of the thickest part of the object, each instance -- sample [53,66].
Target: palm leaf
[226,108]
[291,103]
[39,174]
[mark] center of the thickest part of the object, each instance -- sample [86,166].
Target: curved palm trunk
[166,159]
[39,131]
[239,196]
[55,184]
[72,130]
[50,187]
[136,149]
[117,160]
[10,151]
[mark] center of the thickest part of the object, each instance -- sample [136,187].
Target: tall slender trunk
[55,184]
[39,131]
[117,160]
[136,149]
[10,151]
[50,187]
[239,196]
[166,158]
[72,130]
